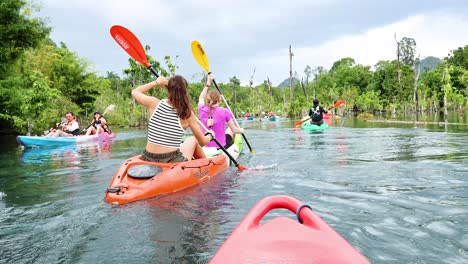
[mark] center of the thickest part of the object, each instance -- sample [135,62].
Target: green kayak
[311,127]
[235,149]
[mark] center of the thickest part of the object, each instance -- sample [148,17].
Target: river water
[398,193]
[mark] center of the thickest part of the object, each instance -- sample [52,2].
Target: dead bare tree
[445,87]
[308,72]
[267,83]
[270,90]
[417,70]
[252,77]
[303,87]
[234,83]
[291,81]
[398,62]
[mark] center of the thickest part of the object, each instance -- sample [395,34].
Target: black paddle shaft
[225,151]
[152,70]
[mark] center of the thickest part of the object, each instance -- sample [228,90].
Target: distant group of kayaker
[70,126]
[250,116]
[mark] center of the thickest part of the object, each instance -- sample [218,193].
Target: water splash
[264,167]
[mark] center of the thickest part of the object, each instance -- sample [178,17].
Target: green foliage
[407,50]
[19,32]
[368,101]
[459,57]
[385,81]
[365,116]
[40,82]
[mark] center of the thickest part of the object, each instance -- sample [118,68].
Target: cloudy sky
[241,36]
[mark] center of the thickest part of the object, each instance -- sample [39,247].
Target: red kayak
[284,240]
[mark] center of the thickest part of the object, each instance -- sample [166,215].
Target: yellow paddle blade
[200,55]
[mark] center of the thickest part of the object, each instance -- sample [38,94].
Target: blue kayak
[272,118]
[34,141]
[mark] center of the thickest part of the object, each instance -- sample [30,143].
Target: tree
[344,62]
[407,50]
[459,57]
[308,73]
[417,70]
[19,32]
[235,82]
[291,80]
[446,88]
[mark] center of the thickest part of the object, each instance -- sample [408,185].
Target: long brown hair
[177,88]
[212,98]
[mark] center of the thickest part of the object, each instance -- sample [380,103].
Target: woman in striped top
[168,121]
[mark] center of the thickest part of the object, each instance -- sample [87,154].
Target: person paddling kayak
[168,121]
[316,113]
[69,128]
[216,117]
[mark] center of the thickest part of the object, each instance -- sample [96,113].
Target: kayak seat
[143,171]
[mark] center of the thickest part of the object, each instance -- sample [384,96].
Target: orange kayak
[308,239]
[137,179]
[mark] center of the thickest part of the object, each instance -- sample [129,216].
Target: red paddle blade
[298,124]
[339,103]
[130,43]
[241,168]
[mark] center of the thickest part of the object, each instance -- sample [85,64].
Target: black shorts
[174,156]
[228,141]
[74,132]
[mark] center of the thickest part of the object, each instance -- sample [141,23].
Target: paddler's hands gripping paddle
[200,56]
[130,43]
[336,105]
[239,167]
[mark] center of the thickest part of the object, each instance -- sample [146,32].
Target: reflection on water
[395,193]
[68,154]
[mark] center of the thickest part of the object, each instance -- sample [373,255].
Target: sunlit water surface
[396,193]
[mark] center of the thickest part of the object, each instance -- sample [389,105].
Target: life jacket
[316,116]
[97,123]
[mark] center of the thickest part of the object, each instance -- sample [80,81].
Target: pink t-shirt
[221,117]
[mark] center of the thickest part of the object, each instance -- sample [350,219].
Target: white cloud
[435,33]
[243,35]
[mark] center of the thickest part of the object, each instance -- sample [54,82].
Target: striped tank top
[164,126]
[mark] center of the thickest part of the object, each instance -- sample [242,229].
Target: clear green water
[398,193]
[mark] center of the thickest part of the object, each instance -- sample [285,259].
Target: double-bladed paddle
[108,109]
[202,59]
[130,43]
[336,105]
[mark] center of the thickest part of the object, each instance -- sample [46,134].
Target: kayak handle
[255,215]
[299,219]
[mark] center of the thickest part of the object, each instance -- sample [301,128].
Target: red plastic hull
[283,240]
[173,177]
